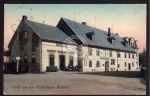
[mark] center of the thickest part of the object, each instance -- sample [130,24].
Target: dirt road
[71,83]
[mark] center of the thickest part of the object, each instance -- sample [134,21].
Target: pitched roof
[100,36]
[48,32]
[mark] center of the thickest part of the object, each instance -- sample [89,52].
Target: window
[136,54]
[51,60]
[13,59]
[90,51]
[133,55]
[26,34]
[137,63]
[126,44]
[125,64]
[98,52]
[110,53]
[132,64]
[118,54]
[90,63]
[125,55]
[61,45]
[104,53]
[18,36]
[91,35]
[25,59]
[33,58]
[85,63]
[129,55]
[113,41]
[97,64]
[118,65]
[112,61]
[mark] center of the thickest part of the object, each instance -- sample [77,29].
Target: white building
[40,45]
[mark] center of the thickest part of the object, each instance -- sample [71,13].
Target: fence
[23,68]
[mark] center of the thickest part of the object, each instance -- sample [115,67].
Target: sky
[128,20]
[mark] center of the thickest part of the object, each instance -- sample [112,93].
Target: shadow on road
[129,74]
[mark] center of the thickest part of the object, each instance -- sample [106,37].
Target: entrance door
[129,66]
[62,62]
[51,59]
[107,66]
[71,60]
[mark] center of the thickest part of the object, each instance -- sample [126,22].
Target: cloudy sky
[128,20]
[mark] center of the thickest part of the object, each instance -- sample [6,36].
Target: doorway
[71,60]
[51,60]
[129,66]
[62,62]
[107,66]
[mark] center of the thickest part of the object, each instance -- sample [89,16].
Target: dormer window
[127,40]
[91,35]
[135,44]
[112,40]
[125,43]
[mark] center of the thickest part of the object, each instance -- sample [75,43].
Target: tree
[142,58]
[7,53]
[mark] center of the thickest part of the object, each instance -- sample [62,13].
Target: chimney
[84,23]
[24,17]
[109,32]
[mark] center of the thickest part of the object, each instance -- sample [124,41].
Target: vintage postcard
[73,49]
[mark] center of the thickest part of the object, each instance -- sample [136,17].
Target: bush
[143,73]
[11,66]
[9,72]
[51,69]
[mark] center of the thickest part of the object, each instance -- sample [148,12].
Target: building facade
[40,45]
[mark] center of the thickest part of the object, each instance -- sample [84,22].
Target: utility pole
[95,21]
[44,16]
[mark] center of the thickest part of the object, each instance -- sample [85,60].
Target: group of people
[72,68]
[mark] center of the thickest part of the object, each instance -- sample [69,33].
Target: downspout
[40,65]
